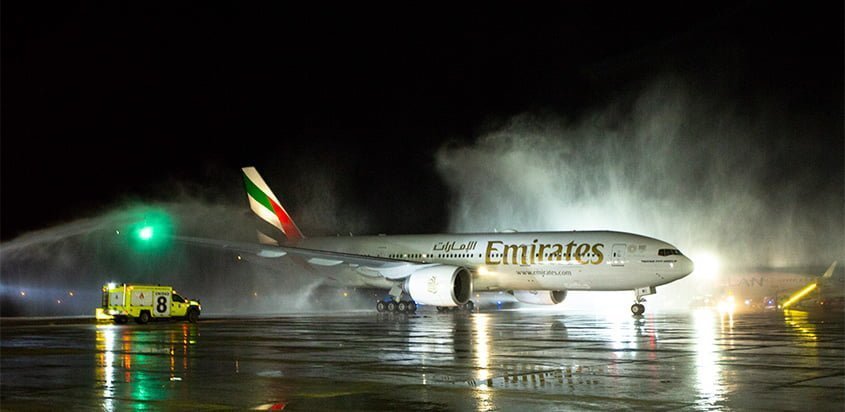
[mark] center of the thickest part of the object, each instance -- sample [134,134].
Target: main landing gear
[466,307]
[396,304]
[403,306]
[638,308]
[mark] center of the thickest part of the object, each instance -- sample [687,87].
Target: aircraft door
[617,255]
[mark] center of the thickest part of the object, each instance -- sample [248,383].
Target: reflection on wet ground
[430,361]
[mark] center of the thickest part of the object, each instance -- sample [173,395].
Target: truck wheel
[143,318]
[120,320]
[193,315]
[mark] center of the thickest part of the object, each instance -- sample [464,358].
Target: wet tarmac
[508,360]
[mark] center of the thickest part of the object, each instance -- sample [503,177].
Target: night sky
[113,102]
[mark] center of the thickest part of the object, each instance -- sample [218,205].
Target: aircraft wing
[365,265]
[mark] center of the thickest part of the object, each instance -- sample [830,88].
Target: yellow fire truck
[144,303]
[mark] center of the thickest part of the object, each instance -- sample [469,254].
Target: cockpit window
[668,252]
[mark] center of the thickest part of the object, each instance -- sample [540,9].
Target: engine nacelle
[540,297]
[440,285]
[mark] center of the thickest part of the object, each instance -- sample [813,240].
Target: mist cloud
[695,171]
[82,255]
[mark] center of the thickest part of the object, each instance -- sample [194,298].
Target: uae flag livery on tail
[264,203]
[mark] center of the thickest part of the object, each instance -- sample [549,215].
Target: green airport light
[152,230]
[146,233]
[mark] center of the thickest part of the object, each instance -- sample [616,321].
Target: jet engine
[540,297]
[440,285]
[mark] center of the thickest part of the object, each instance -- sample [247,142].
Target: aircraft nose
[685,266]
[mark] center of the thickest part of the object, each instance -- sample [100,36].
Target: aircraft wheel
[391,306]
[441,309]
[412,307]
[469,306]
[402,307]
[637,309]
[380,306]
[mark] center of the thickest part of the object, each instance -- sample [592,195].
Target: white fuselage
[594,260]
[758,286]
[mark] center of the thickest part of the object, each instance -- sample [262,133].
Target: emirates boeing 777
[444,270]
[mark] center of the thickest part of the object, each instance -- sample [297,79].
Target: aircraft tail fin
[267,207]
[829,272]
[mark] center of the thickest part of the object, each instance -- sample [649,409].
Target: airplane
[444,270]
[768,290]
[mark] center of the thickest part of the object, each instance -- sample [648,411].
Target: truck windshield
[177,298]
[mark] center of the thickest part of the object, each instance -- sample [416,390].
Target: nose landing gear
[638,308]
